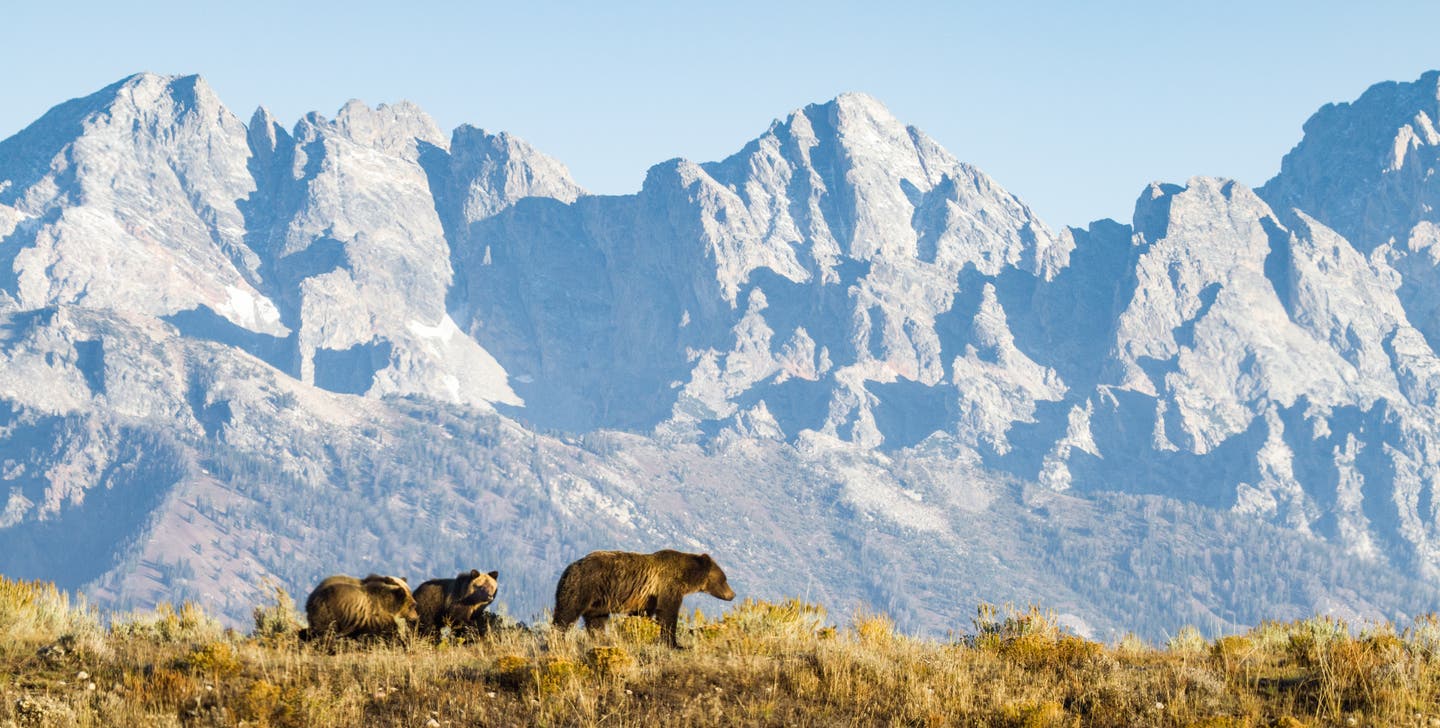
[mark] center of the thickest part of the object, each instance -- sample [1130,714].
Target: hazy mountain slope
[846,363]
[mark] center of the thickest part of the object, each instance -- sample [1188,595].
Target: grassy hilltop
[758,664]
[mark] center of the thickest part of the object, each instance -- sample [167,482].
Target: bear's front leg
[564,616]
[667,613]
[595,623]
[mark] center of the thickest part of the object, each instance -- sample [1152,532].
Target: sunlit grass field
[759,664]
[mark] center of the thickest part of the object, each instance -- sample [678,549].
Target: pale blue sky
[1072,106]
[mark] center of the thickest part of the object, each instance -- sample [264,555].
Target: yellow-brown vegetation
[761,663]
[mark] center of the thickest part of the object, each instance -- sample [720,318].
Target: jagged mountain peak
[152,101]
[262,117]
[147,88]
[853,111]
[847,179]
[856,125]
[494,170]
[499,139]
[1165,205]
[388,128]
[1366,168]
[859,100]
[468,141]
[131,194]
[265,132]
[868,131]
[137,105]
[1384,108]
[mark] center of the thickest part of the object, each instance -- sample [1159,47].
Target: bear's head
[474,589]
[714,581]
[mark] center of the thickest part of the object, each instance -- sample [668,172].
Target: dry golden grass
[758,664]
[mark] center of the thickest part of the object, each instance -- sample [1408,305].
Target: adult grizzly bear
[350,607]
[457,603]
[620,582]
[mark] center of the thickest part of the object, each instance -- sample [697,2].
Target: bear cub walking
[620,582]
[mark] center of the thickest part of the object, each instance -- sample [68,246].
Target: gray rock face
[319,250]
[126,199]
[487,173]
[820,263]
[361,258]
[234,352]
[1269,356]
[1366,168]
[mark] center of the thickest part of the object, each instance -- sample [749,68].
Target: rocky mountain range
[236,355]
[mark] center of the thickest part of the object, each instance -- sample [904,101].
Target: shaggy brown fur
[456,603]
[350,607]
[620,582]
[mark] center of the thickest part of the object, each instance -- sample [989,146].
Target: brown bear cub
[457,603]
[620,582]
[348,607]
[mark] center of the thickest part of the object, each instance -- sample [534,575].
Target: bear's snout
[480,596]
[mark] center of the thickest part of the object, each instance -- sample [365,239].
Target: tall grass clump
[1187,642]
[278,621]
[187,624]
[1422,637]
[35,613]
[1032,637]
[759,627]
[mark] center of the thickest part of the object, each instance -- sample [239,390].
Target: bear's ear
[494,575]
[470,575]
